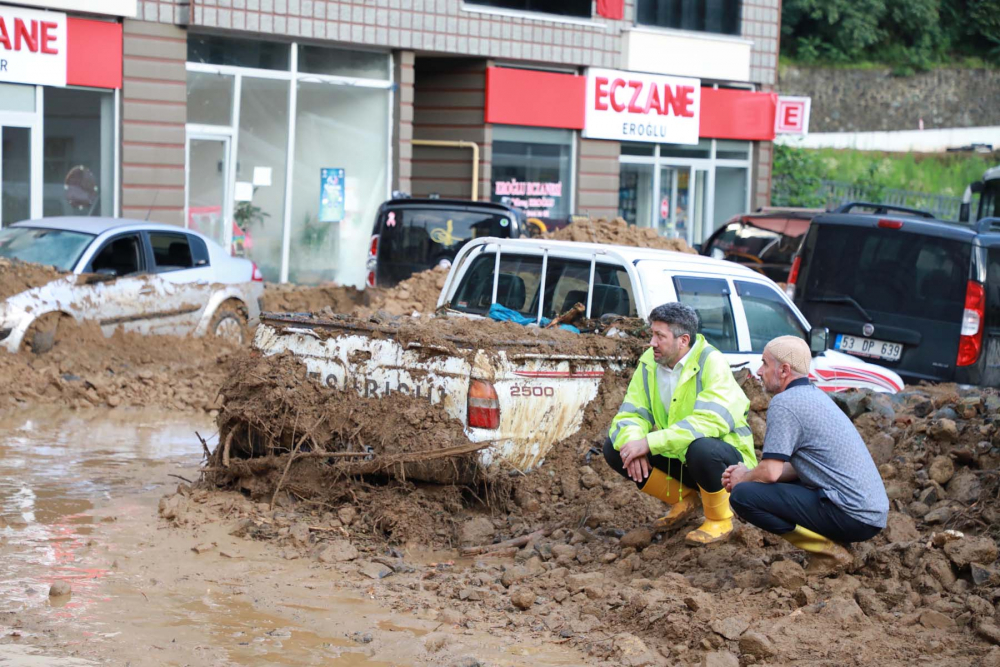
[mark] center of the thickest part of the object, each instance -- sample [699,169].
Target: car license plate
[868,347]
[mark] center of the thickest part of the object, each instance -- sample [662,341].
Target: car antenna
[150,211]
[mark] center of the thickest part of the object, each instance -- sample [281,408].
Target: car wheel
[43,333]
[230,324]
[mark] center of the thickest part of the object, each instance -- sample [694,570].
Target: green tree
[797,174]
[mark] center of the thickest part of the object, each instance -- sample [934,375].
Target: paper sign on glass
[262,176]
[331,194]
[244,191]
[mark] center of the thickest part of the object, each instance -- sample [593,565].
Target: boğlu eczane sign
[634,106]
[32,46]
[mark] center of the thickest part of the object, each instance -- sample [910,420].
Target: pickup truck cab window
[768,316]
[710,298]
[566,284]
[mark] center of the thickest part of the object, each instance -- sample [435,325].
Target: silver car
[140,276]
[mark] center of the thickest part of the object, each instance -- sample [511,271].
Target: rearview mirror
[819,339]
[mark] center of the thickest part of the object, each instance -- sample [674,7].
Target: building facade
[278,126]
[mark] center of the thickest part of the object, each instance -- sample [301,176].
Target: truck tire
[229,323]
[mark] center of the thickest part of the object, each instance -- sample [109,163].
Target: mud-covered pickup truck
[524,399]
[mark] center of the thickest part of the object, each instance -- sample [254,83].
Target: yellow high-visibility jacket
[706,403]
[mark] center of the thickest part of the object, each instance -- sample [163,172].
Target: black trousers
[707,459]
[778,508]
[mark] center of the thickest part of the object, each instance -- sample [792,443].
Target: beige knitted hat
[791,350]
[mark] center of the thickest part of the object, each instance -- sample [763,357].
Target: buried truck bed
[518,391]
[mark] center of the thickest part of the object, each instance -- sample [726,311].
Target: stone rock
[731,628]
[467,661]
[376,570]
[471,594]
[944,430]
[992,659]
[339,551]
[566,551]
[570,485]
[923,407]
[632,651]
[980,550]
[637,538]
[931,494]
[941,469]
[172,508]
[513,575]
[983,575]
[852,402]
[869,602]
[939,568]
[988,631]
[939,515]
[917,509]
[756,644]
[979,607]
[451,617]
[523,597]
[59,589]
[964,487]
[577,582]
[880,404]
[477,531]
[786,574]
[844,611]
[300,533]
[880,447]
[588,478]
[935,620]
[719,659]
[347,515]
[436,641]
[804,596]
[901,528]
[946,412]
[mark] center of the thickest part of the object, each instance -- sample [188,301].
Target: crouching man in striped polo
[816,485]
[682,424]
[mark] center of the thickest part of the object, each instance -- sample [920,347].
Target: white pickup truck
[524,402]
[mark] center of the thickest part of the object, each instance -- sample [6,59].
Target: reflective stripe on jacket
[707,403]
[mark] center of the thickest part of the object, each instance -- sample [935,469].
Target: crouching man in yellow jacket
[682,423]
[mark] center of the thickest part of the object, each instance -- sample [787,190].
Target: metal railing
[832,194]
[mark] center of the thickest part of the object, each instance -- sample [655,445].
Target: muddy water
[78,497]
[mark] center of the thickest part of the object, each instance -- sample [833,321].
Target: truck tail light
[373,247]
[484,406]
[890,224]
[370,279]
[971,341]
[793,277]
[257,276]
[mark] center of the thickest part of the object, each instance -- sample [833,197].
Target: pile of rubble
[567,549]
[616,232]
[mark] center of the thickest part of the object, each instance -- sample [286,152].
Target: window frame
[148,234]
[475,8]
[777,297]
[734,315]
[144,253]
[698,31]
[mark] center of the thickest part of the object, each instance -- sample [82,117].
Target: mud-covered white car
[146,277]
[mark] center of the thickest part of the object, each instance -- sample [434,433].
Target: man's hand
[733,475]
[634,458]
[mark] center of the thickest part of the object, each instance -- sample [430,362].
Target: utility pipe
[458,144]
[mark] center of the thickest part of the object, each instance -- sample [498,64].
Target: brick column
[154,110]
[402,126]
[597,178]
[762,158]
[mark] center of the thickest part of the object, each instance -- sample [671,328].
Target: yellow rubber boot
[718,519]
[827,556]
[664,487]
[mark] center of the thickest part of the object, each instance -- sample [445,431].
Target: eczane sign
[32,46]
[634,106]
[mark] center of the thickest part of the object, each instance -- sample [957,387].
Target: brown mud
[86,369]
[17,276]
[616,232]
[568,548]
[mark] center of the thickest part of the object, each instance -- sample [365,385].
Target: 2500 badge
[528,391]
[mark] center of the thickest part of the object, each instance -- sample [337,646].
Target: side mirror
[109,272]
[819,340]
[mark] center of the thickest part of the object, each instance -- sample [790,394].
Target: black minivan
[897,286]
[412,235]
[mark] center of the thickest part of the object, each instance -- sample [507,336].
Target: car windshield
[51,247]
[889,271]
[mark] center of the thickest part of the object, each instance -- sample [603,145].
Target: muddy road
[78,503]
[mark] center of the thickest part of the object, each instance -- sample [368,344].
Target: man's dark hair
[679,318]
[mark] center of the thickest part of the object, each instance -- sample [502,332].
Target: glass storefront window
[216,50]
[15,174]
[337,128]
[702,149]
[262,149]
[340,62]
[78,147]
[635,187]
[638,149]
[209,98]
[732,150]
[730,193]
[532,170]
[15,97]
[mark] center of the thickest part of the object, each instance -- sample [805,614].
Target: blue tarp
[504,314]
